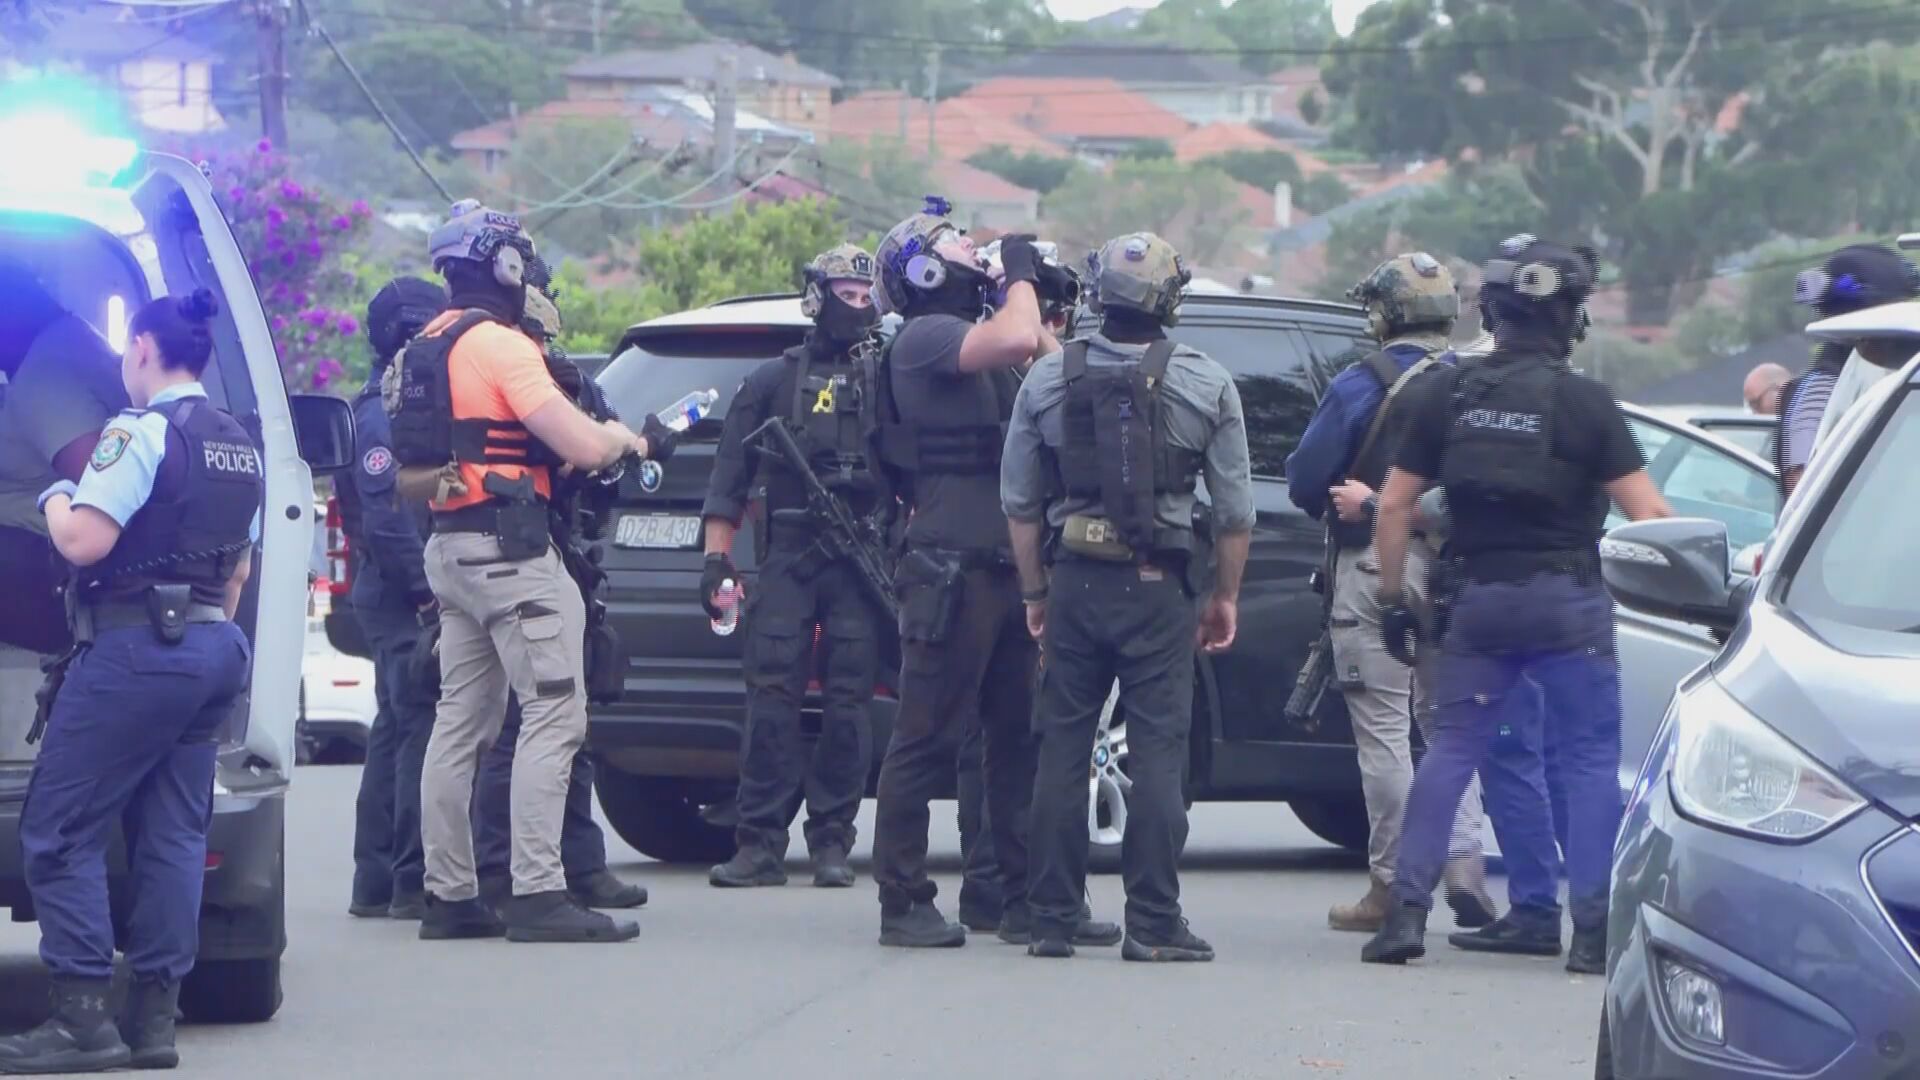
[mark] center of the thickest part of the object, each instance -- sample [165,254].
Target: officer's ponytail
[178,326]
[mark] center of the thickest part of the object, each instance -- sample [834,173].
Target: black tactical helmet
[399,311]
[1536,270]
[1856,278]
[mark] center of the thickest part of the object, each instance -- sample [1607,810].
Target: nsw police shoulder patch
[111,448]
[377,461]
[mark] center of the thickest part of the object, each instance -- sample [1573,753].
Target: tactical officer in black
[1106,443]
[945,391]
[1529,453]
[817,388]
[391,596]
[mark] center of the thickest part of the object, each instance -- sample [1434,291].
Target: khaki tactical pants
[1383,697]
[518,625]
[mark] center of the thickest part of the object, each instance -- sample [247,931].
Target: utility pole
[906,110]
[273,15]
[933,91]
[723,112]
[597,6]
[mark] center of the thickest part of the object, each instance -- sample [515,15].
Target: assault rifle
[1311,684]
[839,535]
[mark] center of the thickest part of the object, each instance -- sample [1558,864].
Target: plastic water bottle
[727,599]
[689,410]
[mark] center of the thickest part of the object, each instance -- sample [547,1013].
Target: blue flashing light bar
[61,133]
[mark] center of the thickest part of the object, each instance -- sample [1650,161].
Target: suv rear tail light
[339,572]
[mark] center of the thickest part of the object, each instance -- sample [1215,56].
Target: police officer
[1106,441]
[390,598]
[817,387]
[1335,476]
[945,390]
[1851,279]
[1529,453]
[160,531]
[481,424]
[583,846]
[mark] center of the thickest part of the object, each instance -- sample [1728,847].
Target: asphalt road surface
[790,983]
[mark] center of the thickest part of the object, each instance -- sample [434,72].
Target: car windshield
[662,369]
[1851,575]
[1755,439]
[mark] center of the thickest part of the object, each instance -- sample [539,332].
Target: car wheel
[1339,821]
[1109,788]
[1603,1053]
[660,822]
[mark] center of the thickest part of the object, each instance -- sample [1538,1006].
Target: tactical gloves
[1019,260]
[1399,629]
[718,570]
[661,439]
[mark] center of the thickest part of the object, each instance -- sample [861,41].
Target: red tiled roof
[1258,204]
[961,128]
[967,185]
[499,135]
[1077,108]
[1222,138]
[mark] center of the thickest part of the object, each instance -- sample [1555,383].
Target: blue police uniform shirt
[1333,437]
[119,479]
[391,555]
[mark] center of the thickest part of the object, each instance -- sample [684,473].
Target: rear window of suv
[660,369]
[1281,370]
[1855,574]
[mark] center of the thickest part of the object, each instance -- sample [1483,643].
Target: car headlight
[1733,772]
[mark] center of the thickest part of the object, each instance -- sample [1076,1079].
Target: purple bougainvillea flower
[287,258]
[310,337]
[314,249]
[342,222]
[291,190]
[264,146]
[349,325]
[279,323]
[361,208]
[274,243]
[300,300]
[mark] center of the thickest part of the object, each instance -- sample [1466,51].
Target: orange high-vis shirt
[495,372]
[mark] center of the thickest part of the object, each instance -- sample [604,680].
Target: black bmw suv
[670,747]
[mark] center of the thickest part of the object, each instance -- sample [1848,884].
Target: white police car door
[192,247]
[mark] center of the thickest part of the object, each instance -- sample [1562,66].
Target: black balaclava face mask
[840,325]
[1130,325]
[472,285]
[964,293]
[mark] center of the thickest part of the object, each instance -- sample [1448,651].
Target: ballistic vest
[1115,440]
[195,525]
[425,430]
[826,408]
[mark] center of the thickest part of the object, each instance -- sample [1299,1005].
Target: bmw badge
[651,474]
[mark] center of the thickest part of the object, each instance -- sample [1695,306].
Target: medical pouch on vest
[194,527]
[1114,447]
[1500,445]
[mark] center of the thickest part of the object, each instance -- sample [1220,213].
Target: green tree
[1272,33]
[1462,221]
[1620,109]
[877,183]
[1197,210]
[1149,150]
[1035,172]
[436,82]
[1189,24]
[1263,169]
[593,319]
[1322,192]
[752,249]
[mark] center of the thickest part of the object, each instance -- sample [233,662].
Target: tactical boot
[749,868]
[1183,945]
[408,907]
[79,1037]
[981,914]
[1520,932]
[549,917]
[920,927]
[1365,915]
[1466,888]
[1050,947]
[602,890]
[1402,937]
[368,910]
[1588,953]
[147,1023]
[456,920]
[830,869]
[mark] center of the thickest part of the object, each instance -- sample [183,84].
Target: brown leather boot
[1466,887]
[1367,915]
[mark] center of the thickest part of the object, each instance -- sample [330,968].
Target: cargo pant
[503,625]
[1384,700]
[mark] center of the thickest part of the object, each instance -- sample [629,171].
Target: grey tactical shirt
[1201,405]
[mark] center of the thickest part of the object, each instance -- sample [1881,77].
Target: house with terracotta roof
[778,88]
[164,79]
[956,128]
[1198,87]
[1225,137]
[661,118]
[1096,118]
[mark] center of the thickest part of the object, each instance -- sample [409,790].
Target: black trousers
[982,675]
[583,847]
[387,854]
[1107,621]
[775,768]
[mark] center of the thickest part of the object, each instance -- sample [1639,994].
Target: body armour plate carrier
[959,449]
[1115,447]
[827,412]
[194,527]
[1500,443]
[425,430]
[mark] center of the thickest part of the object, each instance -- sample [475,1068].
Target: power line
[334,47]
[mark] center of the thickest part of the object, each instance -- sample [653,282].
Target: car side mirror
[323,429]
[1674,568]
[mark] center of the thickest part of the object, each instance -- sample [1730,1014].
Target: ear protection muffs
[812,298]
[925,272]
[509,266]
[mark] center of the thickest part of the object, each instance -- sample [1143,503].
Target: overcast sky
[1343,10]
